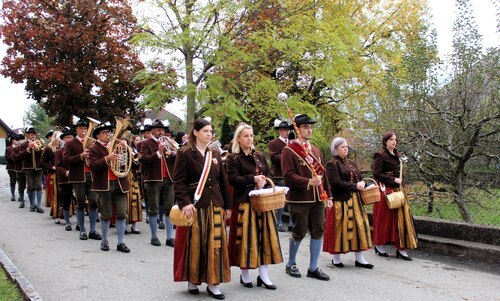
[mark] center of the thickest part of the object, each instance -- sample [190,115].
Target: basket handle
[268,180]
[370,179]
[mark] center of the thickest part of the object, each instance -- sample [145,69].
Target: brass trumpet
[170,145]
[38,144]
[217,146]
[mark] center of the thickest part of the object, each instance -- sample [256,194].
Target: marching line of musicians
[323,198]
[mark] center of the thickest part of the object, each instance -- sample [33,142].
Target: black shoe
[268,286]
[218,296]
[57,221]
[170,242]
[21,205]
[380,253]
[135,231]
[293,271]
[32,208]
[339,265]
[12,199]
[246,284]
[95,235]
[83,236]
[318,274]
[363,265]
[126,232]
[77,227]
[68,227]
[111,225]
[39,210]
[194,291]
[155,242]
[407,258]
[281,228]
[147,219]
[123,248]
[104,245]
[161,225]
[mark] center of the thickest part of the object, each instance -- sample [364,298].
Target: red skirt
[393,226]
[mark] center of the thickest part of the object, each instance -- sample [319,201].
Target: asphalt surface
[61,267]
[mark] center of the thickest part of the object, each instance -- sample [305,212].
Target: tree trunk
[191,93]
[460,199]
[430,195]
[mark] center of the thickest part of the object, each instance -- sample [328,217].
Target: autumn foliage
[73,56]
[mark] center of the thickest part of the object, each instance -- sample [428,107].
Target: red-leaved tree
[73,56]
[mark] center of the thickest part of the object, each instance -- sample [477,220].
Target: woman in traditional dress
[134,196]
[253,241]
[52,198]
[346,228]
[200,252]
[391,226]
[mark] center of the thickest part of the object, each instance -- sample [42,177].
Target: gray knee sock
[66,216]
[153,224]
[13,191]
[80,217]
[38,194]
[104,229]
[294,249]
[92,219]
[21,196]
[170,227]
[120,228]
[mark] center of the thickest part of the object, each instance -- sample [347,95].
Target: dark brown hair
[198,124]
[388,136]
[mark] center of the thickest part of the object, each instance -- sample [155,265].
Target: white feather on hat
[147,121]
[166,122]
[74,119]
[277,123]
[208,118]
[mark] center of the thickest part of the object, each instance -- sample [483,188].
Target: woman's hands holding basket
[361,185]
[260,181]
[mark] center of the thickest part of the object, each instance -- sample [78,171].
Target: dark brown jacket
[61,168]
[385,167]
[100,170]
[18,162]
[188,167]
[47,160]
[276,147]
[152,163]
[11,164]
[343,174]
[297,175]
[31,159]
[241,170]
[73,159]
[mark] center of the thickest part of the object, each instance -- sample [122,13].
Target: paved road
[61,267]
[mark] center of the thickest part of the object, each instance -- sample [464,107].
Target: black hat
[20,137]
[144,128]
[303,119]
[78,121]
[278,124]
[101,127]
[29,129]
[66,131]
[157,123]
[12,137]
[49,134]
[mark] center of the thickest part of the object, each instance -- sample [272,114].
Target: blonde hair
[235,147]
[54,141]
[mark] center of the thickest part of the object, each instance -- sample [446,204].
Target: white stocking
[264,274]
[245,275]
[336,258]
[360,258]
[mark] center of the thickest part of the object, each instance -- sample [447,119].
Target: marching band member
[48,164]
[304,198]
[391,226]
[157,182]
[30,152]
[62,171]
[20,177]
[11,166]
[254,240]
[146,134]
[74,156]
[347,227]
[110,189]
[134,196]
[276,147]
[200,252]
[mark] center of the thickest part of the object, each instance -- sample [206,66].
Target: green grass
[484,207]
[8,290]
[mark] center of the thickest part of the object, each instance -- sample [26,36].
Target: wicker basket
[178,218]
[268,201]
[370,194]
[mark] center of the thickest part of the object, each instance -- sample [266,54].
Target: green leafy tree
[36,117]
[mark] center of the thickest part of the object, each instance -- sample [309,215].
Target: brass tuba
[88,135]
[121,167]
